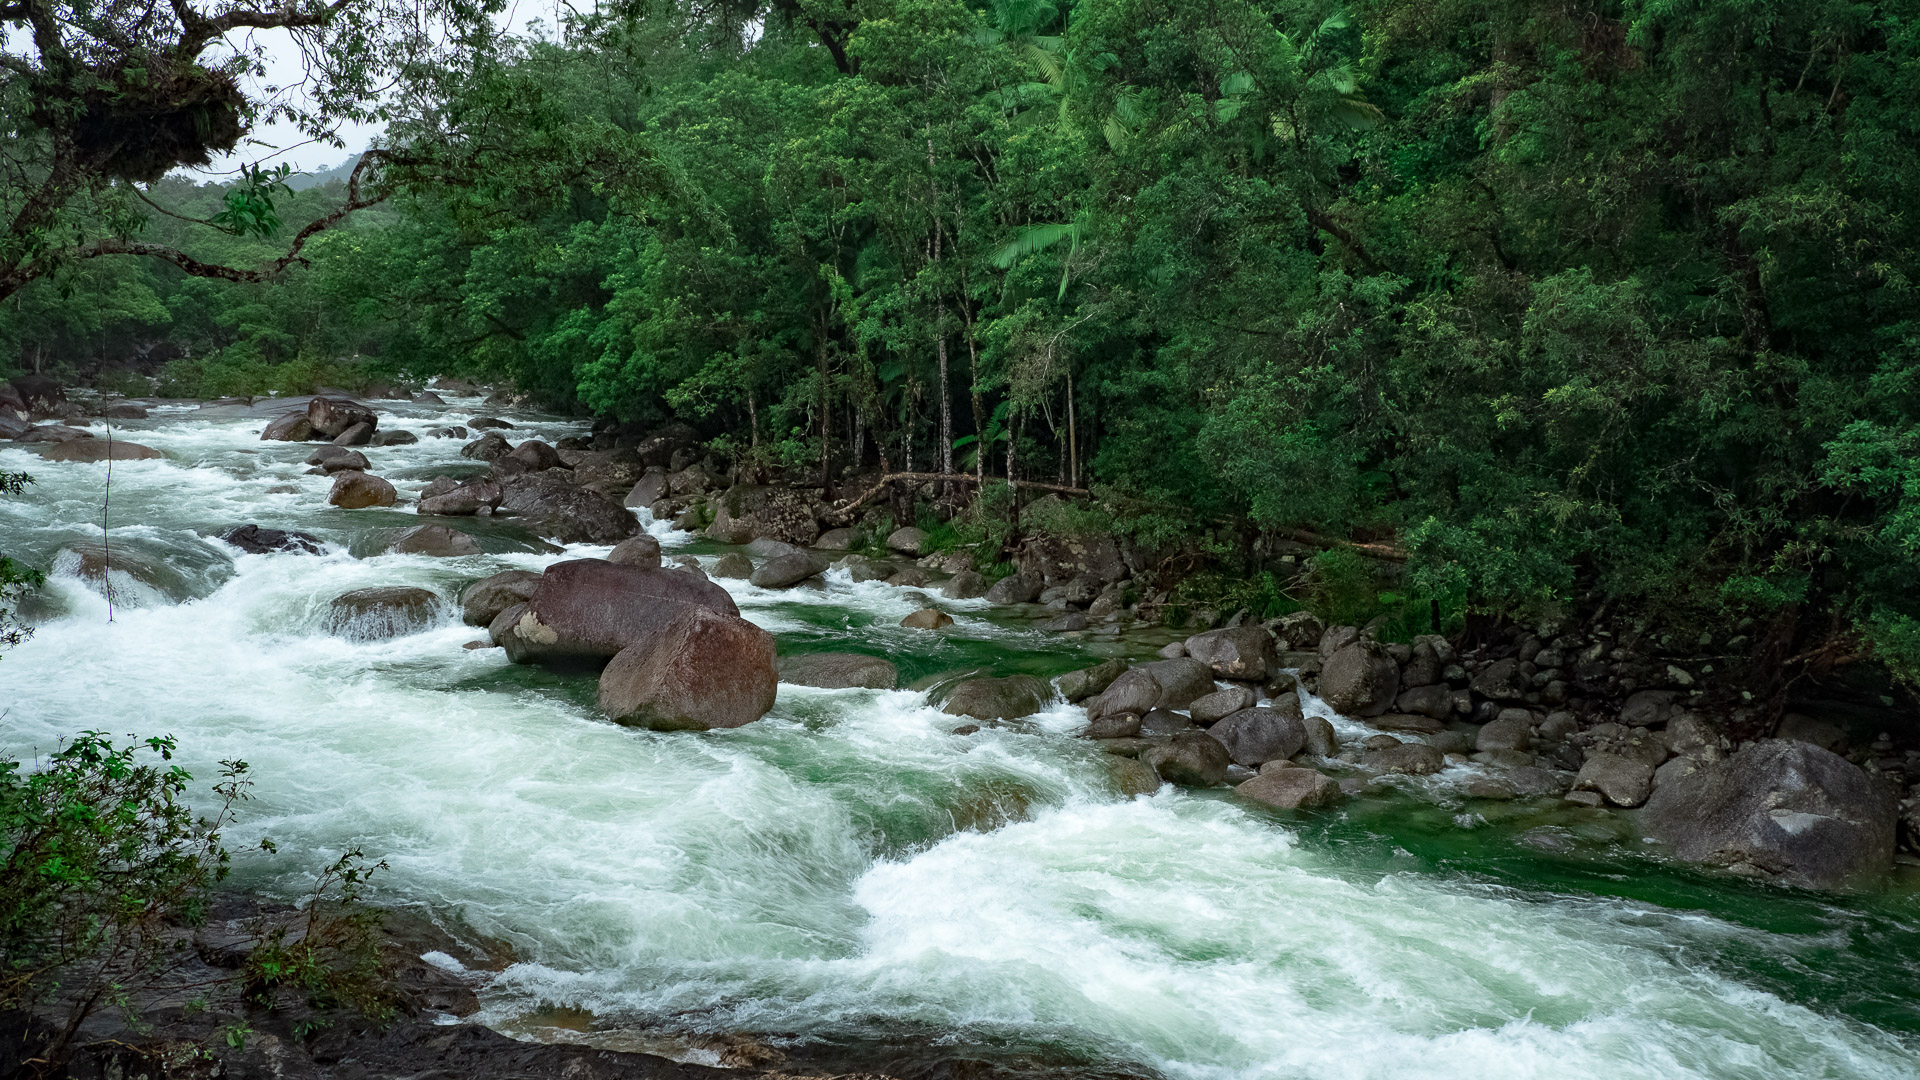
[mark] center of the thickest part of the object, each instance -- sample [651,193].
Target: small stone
[966,729]
[927,619]
[1292,789]
[1487,788]
[1585,798]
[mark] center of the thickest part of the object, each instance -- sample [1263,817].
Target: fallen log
[950,478]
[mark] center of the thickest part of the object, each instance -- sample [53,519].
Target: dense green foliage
[1608,299]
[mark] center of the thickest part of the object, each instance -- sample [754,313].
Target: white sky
[281,142]
[272,144]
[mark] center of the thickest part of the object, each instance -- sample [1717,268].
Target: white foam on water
[846,866]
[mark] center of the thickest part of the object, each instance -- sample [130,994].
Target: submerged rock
[380,613]
[255,540]
[1292,789]
[839,671]
[435,540]
[1779,809]
[927,619]
[87,450]
[786,571]
[998,699]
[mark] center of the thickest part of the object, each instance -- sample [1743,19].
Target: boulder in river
[1240,652]
[380,613]
[487,447]
[484,600]
[642,551]
[462,500]
[733,565]
[334,458]
[53,433]
[1621,780]
[354,490]
[840,540]
[1413,759]
[1292,789]
[1358,680]
[649,489]
[566,513]
[587,610]
[927,619]
[998,699]
[1779,809]
[698,671]
[1512,729]
[535,455]
[100,450]
[12,428]
[1254,737]
[1217,706]
[785,571]
[489,423]
[330,417]
[1193,759]
[1132,691]
[1181,680]
[839,671]
[435,540]
[1083,684]
[255,540]
[357,435]
[288,427]
[395,437]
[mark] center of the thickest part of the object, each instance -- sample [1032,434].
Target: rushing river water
[848,874]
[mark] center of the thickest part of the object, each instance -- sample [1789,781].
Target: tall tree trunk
[1073,444]
[753,421]
[980,447]
[826,419]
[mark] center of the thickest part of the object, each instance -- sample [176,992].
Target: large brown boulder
[640,550]
[565,513]
[785,571]
[380,613]
[354,490]
[587,610]
[100,450]
[1239,652]
[288,427]
[330,417]
[357,435]
[1779,809]
[1083,684]
[998,699]
[649,489]
[463,499]
[839,671]
[1254,737]
[1358,680]
[700,670]
[484,600]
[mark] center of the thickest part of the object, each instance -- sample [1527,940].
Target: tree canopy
[1611,299]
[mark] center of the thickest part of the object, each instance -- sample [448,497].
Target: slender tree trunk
[1073,444]
[826,419]
[979,421]
[753,421]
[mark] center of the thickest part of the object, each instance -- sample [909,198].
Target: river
[849,874]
